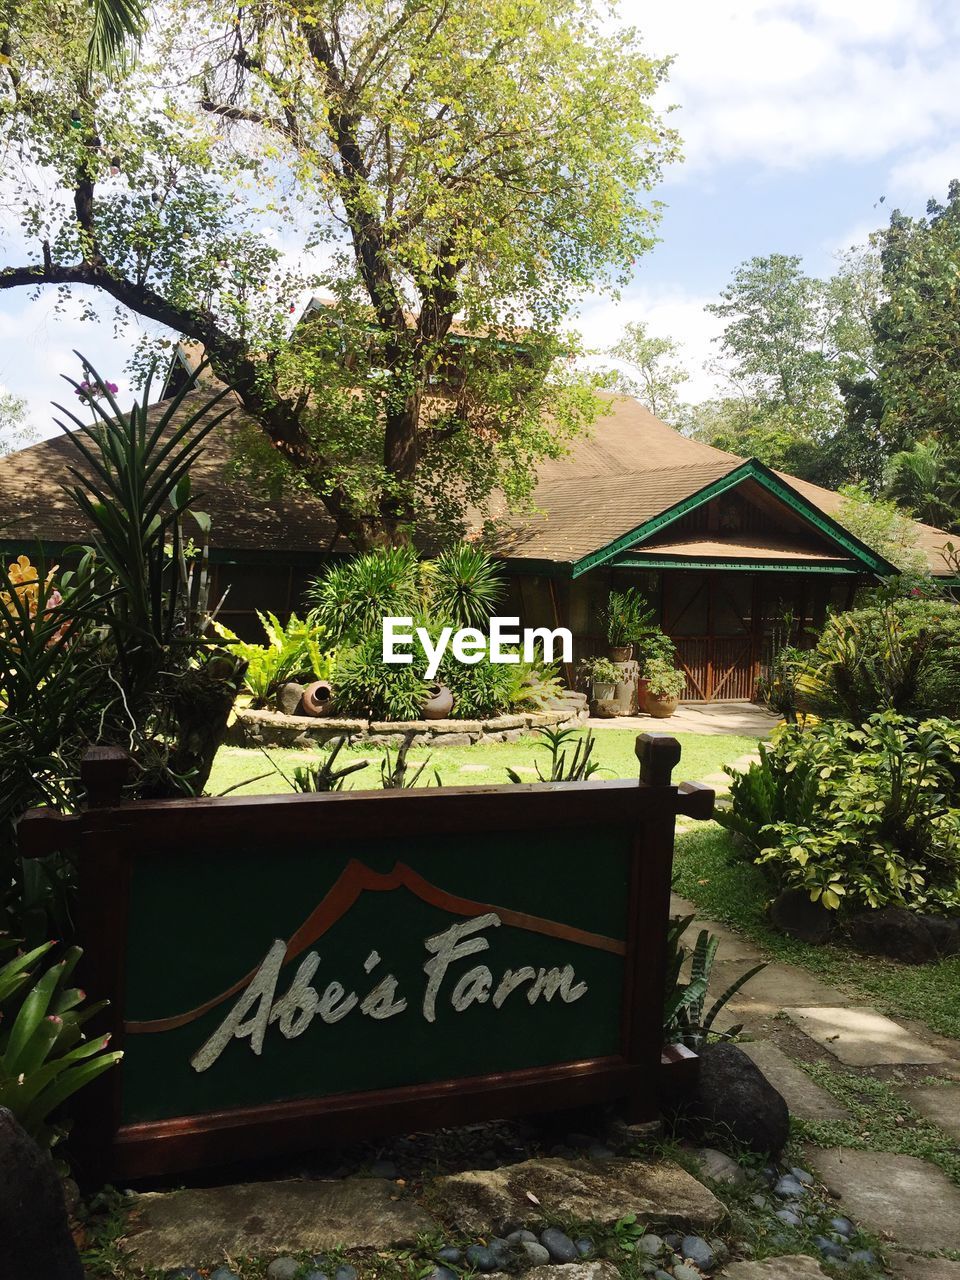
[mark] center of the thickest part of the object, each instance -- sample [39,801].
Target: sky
[803,125]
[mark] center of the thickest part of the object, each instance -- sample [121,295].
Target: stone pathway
[706,718]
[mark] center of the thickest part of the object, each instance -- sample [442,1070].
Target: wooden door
[711,619]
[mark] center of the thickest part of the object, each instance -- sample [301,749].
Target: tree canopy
[448,176]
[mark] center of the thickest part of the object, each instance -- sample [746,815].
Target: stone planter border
[273,729]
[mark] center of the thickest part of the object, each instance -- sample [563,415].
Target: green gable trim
[848,569]
[869,561]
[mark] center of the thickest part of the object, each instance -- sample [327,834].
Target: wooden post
[103,771]
[658,754]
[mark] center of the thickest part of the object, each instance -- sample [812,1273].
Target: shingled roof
[626,472]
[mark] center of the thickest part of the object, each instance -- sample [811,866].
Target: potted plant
[603,677]
[625,618]
[665,686]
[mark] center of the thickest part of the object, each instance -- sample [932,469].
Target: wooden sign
[292,969]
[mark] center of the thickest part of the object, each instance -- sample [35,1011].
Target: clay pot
[620,652]
[642,686]
[660,708]
[439,703]
[317,699]
[602,692]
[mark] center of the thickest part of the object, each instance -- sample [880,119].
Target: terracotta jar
[317,699]
[660,707]
[620,652]
[439,703]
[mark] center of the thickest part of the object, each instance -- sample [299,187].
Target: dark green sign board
[284,969]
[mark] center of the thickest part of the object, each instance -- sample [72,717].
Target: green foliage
[599,670]
[655,372]
[578,768]
[296,651]
[884,527]
[465,586]
[482,689]
[325,775]
[365,685]
[351,599]
[115,651]
[627,618]
[663,679]
[916,325]
[865,816]
[44,1056]
[508,156]
[899,654]
[686,1019]
[534,686]
[14,433]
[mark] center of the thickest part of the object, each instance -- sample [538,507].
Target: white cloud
[783,83]
[667,314]
[927,173]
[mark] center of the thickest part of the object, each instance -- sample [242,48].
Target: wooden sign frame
[106,839]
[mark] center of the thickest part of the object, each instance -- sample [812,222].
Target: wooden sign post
[289,970]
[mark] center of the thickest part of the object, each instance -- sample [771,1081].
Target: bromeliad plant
[577,768]
[44,1055]
[686,1019]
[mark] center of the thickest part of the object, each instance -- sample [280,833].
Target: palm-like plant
[116,29]
[686,1019]
[926,480]
[351,599]
[466,586]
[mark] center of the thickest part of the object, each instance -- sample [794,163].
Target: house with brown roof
[722,546]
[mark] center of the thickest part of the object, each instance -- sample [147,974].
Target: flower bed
[273,729]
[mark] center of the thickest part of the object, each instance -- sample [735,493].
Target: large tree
[457,172]
[654,370]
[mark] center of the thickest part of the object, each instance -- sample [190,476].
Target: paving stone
[778,986]
[940,1104]
[909,1200]
[907,1268]
[794,1266]
[584,1270]
[804,1098]
[861,1037]
[500,1199]
[208,1223]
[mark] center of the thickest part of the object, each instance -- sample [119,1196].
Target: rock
[803,1175]
[253,1219]
[597,1151]
[901,1197]
[798,917]
[442,1273]
[345,1272]
[734,1097]
[288,699]
[790,1217]
[659,1192]
[383,1169]
[518,1237]
[866,1256]
[842,1227]
[36,1240]
[452,1255]
[650,1244]
[697,1251]
[311,1275]
[480,1257]
[759,1201]
[535,1253]
[719,1167]
[682,1272]
[283,1269]
[829,1248]
[903,935]
[788,1187]
[797,1266]
[224,1273]
[803,1098]
[584,1246]
[574,1271]
[672,1240]
[559,1246]
[183,1273]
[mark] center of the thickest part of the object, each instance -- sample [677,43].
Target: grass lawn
[729,890]
[702,755]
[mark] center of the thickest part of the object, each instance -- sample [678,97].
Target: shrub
[865,816]
[599,671]
[901,655]
[44,1055]
[351,599]
[578,767]
[627,617]
[465,586]
[292,652]
[534,686]
[365,685]
[664,680]
[481,690]
[686,1019]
